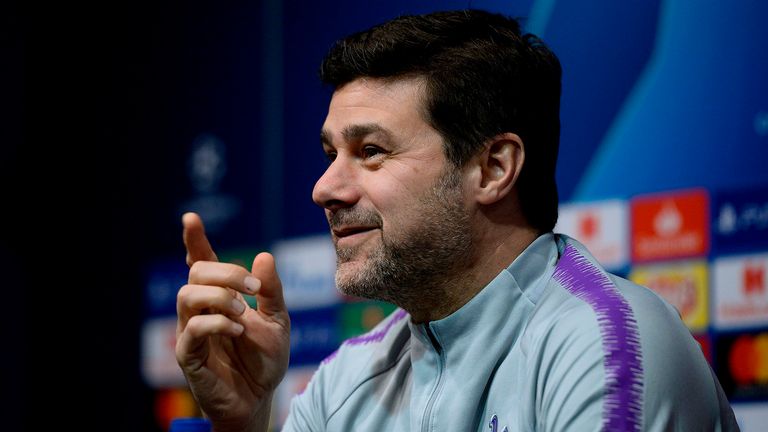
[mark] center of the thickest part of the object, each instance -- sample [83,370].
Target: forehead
[392,104]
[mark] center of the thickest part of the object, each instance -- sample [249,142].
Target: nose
[336,188]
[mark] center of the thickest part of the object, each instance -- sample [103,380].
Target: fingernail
[252,284]
[237,327]
[238,306]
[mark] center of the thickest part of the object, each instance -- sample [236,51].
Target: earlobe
[500,164]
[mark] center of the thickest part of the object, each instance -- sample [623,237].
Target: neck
[496,248]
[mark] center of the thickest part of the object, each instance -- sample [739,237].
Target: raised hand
[233,356]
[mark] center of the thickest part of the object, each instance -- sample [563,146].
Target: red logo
[748,359]
[666,226]
[668,221]
[753,279]
[589,225]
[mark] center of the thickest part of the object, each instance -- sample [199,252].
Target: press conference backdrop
[662,171]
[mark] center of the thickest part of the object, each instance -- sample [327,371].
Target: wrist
[258,420]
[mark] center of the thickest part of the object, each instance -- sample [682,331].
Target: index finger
[195,240]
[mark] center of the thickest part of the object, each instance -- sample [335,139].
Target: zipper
[426,421]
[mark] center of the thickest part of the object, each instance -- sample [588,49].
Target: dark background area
[93,169]
[11,131]
[161,73]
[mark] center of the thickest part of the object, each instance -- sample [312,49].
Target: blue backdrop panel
[696,117]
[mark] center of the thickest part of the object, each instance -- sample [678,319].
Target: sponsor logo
[602,227]
[753,279]
[314,335]
[727,220]
[740,293]
[174,403]
[206,168]
[748,216]
[589,224]
[742,360]
[668,221]
[158,354]
[748,359]
[666,226]
[741,220]
[683,284]
[307,268]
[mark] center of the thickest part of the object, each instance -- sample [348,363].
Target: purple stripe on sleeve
[367,338]
[621,342]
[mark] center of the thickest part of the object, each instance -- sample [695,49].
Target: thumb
[195,240]
[270,296]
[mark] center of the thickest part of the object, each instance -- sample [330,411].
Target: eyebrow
[356,133]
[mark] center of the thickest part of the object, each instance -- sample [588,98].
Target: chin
[348,278]
[347,271]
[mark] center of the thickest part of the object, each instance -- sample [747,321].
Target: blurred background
[137,112]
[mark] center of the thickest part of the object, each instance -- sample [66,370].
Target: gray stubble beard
[416,267]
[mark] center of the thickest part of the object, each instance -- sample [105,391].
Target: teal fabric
[525,354]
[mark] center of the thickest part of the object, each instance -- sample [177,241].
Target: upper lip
[349,230]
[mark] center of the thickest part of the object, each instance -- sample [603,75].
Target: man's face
[394,204]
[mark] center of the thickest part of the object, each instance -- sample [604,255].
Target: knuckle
[180,354]
[194,327]
[195,271]
[204,325]
[183,295]
[233,274]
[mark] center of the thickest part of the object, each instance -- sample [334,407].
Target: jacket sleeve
[306,411]
[664,384]
[568,374]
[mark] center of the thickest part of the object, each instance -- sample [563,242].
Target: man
[442,138]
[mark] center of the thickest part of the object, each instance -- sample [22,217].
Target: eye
[370,151]
[331,155]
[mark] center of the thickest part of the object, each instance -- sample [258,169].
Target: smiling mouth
[351,231]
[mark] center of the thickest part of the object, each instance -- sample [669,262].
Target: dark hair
[482,78]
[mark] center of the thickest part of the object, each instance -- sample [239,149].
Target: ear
[498,167]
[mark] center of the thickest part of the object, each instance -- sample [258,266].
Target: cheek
[400,213]
[408,179]
[391,199]
[396,191]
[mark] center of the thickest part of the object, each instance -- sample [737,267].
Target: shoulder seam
[623,404]
[375,335]
[363,381]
